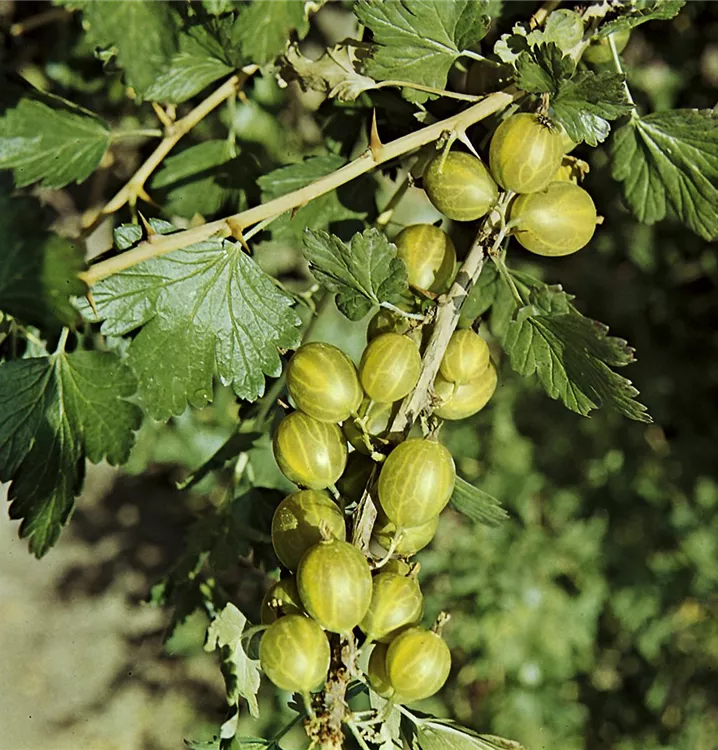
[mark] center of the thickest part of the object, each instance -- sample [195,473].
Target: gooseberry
[395,565]
[461,401]
[525,153]
[310,453]
[389,367]
[323,382]
[396,603]
[376,671]
[557,221]
[429,256]
[335,585]
[294,654]
[416,482]
[412,539]
[302,520]
[417,663]
[466,357]
[460,186]
[387,321]
[599,50]
[281,599]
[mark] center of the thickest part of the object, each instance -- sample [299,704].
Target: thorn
[236,230]
[242,97]
[91,301]
[148,227]
[461,135]
[375,143]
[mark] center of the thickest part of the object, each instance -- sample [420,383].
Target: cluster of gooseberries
[550,213]
[331,443]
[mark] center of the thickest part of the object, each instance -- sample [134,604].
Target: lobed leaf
[55,412]
[476,504]
[585,103]
[364,273]
[186,75]
[636,12]
[571,354]
[241,673]
[418,41]
[38,269]
[203,179]
[264,29]
[141,34]
[429,733]
[205,308]
[50,141]
[669,161]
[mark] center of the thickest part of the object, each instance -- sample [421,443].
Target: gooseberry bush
[433,142]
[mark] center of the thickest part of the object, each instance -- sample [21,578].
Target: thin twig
[447,317]
[173,134]
[161,244]
[619,69]
[34,22]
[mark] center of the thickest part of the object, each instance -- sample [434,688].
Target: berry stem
[402,313]
[619,69]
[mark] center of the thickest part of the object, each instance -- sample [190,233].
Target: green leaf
[38,269]
[364,273]
[446,735]
[141,34]
[203,308]
[55,412]
[187,75]
[240,672]
[264,29]
[571,354]
[542,69]
[351,204]
[335,73]
[669,161]
[476,504]
[482,294]
[585,103]
[51,141]
[418,41]
[636,12]
[564,28]
[204,179]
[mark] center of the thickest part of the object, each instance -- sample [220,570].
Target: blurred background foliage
[588,620]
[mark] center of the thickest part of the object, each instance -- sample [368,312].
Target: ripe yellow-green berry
[429,256]
[413,538]
[323,382]
[417,663]
[294,654]
[525,153]
[571,170]
[460,186]
[310,453]
[466,357]
[599,51]
[557,221]
[281,599]
[416,482]
[376,671]
[389,367]
[396,603]
[387,321]
[300,521]
[335,585]
[462,401]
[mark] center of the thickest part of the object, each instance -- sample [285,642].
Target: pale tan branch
[447,317]
[173,133]
[161,244]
